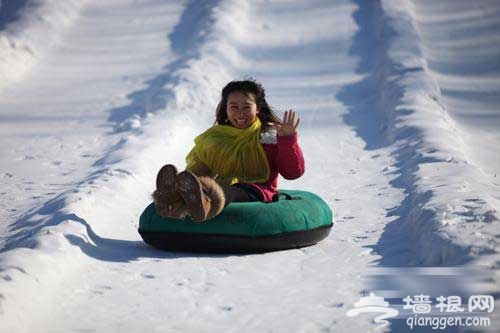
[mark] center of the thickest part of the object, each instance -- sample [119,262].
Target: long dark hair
[250,88]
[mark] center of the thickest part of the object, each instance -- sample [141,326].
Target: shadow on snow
[371,113]
[185,38]
[9,11]
[371,105]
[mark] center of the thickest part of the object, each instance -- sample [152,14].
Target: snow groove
[374,124]
[95,242]
[161,91]
[165,110]
[23,42]
[71,224]
[425,151]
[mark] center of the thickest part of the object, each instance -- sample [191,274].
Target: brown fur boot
[168,202]
[204,198]
[216,194]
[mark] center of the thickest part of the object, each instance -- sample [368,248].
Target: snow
[399,116]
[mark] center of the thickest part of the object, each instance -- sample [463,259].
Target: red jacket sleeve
[290,160]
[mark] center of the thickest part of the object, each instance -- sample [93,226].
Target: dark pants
[241,193]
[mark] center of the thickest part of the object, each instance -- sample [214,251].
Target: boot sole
[191,190]
[166,193]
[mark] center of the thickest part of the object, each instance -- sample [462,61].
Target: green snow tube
[297,219]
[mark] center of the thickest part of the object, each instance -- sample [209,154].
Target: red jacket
[285,158]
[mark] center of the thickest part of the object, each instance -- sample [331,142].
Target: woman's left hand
[289,126]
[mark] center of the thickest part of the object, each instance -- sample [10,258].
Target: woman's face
[241,109]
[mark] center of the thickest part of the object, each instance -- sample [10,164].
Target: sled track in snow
[82,227]
[402,89]
[408,92]
[159,99]
[398,76]
[28,30]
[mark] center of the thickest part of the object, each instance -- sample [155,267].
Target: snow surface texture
[399,103]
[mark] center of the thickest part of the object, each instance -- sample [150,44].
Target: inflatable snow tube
[297,219]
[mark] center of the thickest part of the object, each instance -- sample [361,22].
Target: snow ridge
[428,150]
[180,103]
[86,237]
[70,225]
[25,41]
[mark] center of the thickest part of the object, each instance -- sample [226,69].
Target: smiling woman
[241,109]
[230,161]
[248,94]
[231,182]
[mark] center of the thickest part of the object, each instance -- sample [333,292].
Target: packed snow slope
[399,116]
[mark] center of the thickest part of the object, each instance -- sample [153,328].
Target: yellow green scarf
[233,155]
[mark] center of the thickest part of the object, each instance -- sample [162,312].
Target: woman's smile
[241,109]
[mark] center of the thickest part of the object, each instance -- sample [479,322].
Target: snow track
[452,202]
[26,40]
[127,87]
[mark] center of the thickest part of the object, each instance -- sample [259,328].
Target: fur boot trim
[216,194]
[204,198]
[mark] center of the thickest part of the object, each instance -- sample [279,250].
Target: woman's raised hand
[289,126]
